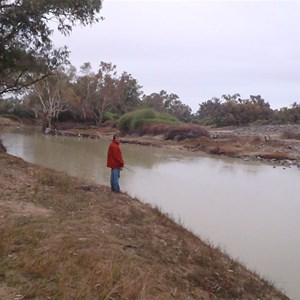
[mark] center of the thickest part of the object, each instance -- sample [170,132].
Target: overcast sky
[198,49]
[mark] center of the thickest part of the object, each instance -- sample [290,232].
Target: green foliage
[26,50]
[232,110]
[288,115]
[14,108]
[168,103]
[130,92]
[10,117]
[104,91]
[261,122]
[110,116]
[133,121]
[49,97]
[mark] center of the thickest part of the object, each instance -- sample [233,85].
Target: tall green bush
[133,121]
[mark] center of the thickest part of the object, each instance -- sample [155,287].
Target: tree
[15,106]
[50,96]
[295,113]
[176,108]
[27,54]
[130,92]
[232,110]
[104,91]
[106,95]
[168,103]
[155,100]
[209,112]
[85,90]
[288,115]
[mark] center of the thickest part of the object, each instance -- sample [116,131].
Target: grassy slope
[63,238]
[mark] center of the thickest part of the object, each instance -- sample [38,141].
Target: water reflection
[249,209]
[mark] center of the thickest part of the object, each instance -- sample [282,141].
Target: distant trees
[85,91]
[14,107]
[232,110]
[130,94]
[27,54]
[104,91]
[169,103]
[288,115]
[209,112]
[106,94]
[102,95]
[51,96]
[87,96]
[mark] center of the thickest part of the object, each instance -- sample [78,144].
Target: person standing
[115,162]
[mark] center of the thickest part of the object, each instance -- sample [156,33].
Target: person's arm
[118,156]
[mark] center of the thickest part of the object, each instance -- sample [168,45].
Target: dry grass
[230,145]
[4,121]
[76,240]
[176,132]
[242,146]
[291,134]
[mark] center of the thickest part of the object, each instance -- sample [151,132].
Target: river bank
[64,237]
[278,145]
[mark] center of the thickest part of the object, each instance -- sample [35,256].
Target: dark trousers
[114,180]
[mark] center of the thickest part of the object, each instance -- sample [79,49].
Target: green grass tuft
[133,122]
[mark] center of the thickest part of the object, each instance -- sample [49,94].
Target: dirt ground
[66,238]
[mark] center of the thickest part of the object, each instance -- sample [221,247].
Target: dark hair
[115,136]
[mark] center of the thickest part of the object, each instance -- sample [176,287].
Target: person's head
[116,137]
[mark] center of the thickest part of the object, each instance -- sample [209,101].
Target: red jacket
[114,156]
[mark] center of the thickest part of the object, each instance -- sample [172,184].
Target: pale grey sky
[198,49]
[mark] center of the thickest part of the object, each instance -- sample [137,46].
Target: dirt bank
[66,238]
[7,122]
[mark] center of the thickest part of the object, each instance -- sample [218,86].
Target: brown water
[250,210]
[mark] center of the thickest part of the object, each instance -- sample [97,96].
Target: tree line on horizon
[103,96]
[37,81]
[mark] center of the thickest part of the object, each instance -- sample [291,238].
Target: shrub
[291,134]
[109,116]
[261,122]
[23,112]
[138,121]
